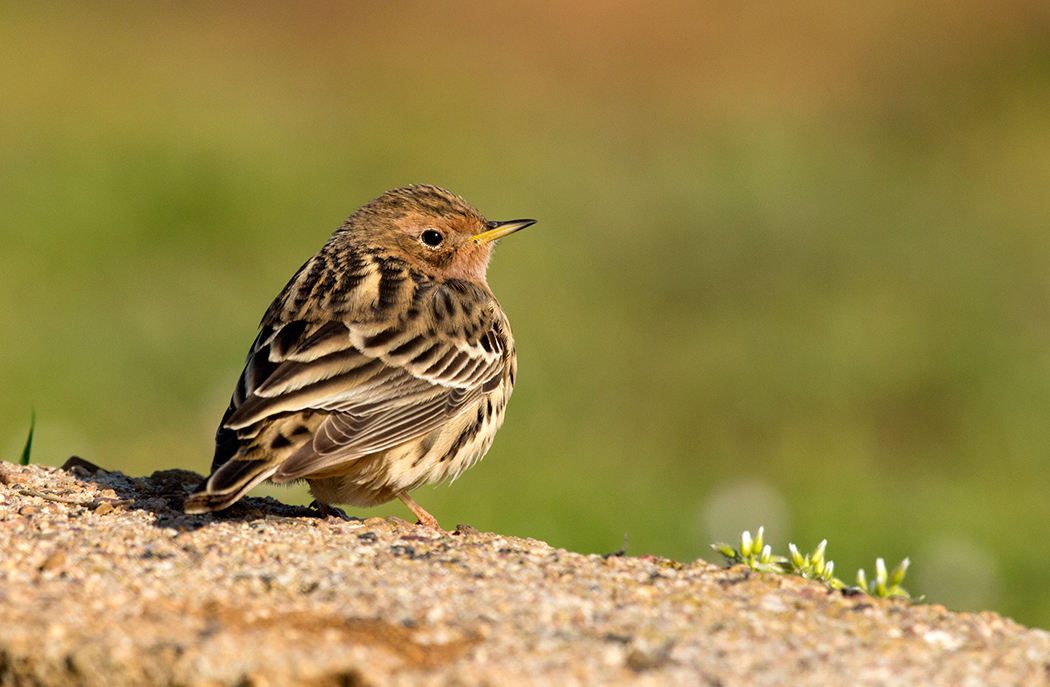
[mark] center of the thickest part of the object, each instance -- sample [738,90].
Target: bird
[385,363]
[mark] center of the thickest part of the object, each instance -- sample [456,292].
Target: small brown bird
[384,364]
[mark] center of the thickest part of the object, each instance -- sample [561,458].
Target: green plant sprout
[885,585]
[758,556]
[812,566]
[29,440]
[754,553]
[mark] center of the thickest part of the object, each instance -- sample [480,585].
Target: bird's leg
[325,510]
[425,518]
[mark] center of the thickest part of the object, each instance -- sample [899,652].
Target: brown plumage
[384,364]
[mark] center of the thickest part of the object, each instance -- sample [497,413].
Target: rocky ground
[103,581]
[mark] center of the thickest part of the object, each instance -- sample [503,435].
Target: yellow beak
[498,230]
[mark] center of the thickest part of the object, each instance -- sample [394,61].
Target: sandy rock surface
[103,581]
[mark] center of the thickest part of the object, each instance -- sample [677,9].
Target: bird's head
[434,229]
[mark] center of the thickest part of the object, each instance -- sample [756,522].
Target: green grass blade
[29,440]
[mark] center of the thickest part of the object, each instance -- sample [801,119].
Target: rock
[269,594]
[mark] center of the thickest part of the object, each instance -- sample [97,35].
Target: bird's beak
[498,230]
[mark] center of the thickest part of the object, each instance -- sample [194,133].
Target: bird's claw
[325,511]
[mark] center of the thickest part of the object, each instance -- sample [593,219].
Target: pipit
[384,364]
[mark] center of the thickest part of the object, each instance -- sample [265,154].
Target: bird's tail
[228,483]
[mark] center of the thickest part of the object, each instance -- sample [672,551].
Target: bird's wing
[382,385]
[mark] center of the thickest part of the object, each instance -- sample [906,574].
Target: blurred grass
[805,244]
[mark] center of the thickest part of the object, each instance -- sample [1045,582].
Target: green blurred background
[792,266]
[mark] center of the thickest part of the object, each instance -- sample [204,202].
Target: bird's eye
[431,238]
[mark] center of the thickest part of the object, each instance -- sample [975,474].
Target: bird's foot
[324,511]
[425,518]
